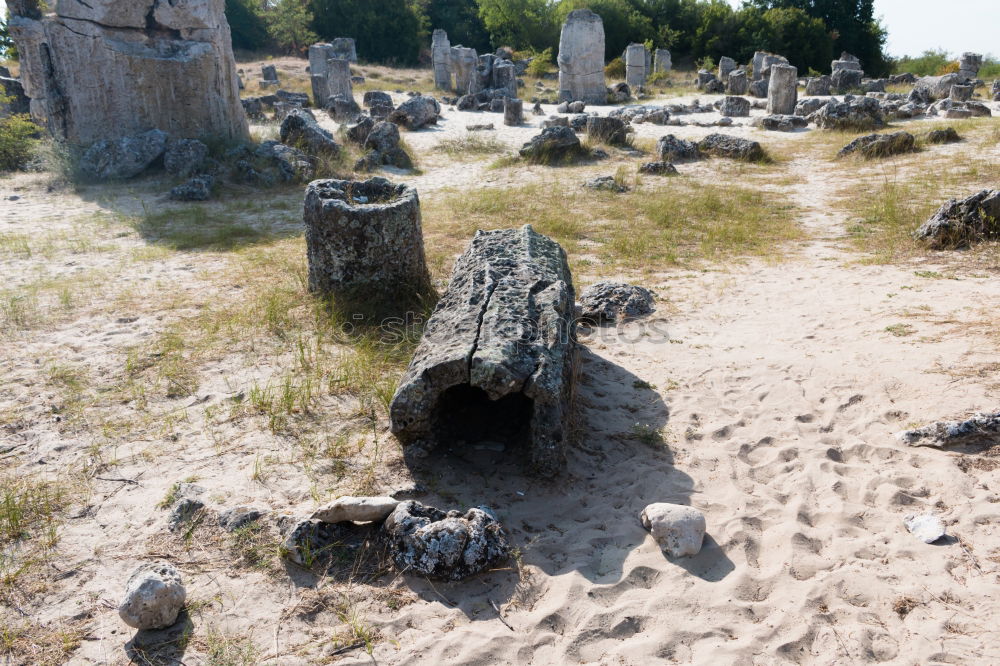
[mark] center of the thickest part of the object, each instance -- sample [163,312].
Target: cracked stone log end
[497,360]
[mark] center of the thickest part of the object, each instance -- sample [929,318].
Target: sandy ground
[777,389]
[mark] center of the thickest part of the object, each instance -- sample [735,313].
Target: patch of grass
[471,146]
[32,643]
[648,435]
[255,547]
[198,227]
[666,224]
[900,330]
[223,649]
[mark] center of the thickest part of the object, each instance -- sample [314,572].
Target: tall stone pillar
[635,66]
[441,60]
[581,58]
[782,90]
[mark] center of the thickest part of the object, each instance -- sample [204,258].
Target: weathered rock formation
[441,60]
[498,357]
[662,61]
[449,545]
[879,145]
[782,89]
[672,149]
[581,58]
[982,428]
[345,48]
[608,130]
[724,145]
[364,241]
[819,85]
[107,68]
[609,301]
[463,64]
[860,113]
[154,596]
[635,66]
[960,223]
[735,107]
[555,144]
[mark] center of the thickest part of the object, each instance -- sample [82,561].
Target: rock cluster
[554,145]
[724,145]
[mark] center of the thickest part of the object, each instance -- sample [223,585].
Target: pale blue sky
[953,25]
[918,25]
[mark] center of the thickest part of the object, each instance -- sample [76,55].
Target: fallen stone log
[498,357]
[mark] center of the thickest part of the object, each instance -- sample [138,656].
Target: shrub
[947,68]
[541,63]
[615,69]
[18,136]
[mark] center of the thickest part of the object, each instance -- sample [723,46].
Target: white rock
[356,509]
[154,596]
[927,527]
[581,58]
[677,528]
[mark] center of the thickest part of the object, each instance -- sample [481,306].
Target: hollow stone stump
[364,242]
[782,90]
[497,360]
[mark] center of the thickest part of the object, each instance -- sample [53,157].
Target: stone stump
[498,358]
[581,58]
[268,73]
[441,60]
[782,90]
[735,107]
[513,112]
[345,48]
[846,61]
[961,93]
[364,242]
[339,74]
[738,83]
[463,63]
[606,129]
[819,85]
[504,77]
[846,80]
[635,66]
[726,65]
[662,62]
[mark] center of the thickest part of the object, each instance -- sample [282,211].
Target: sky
[917,25]
[953,25]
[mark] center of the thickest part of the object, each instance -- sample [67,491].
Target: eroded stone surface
[679,530]
[982,428]
[355,510]
[450,545]
[107,68]
[581,58]
[959,223]
[154,596]
[502,336]
[610,301]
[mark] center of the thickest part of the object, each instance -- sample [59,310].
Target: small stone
[927,527]
[198,188]
[310,541]
[678,529]
[606,183]
[239,517]
[355,510]
[609,301]
[154,596]
[658,169]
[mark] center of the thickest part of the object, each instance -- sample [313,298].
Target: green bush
[615,69]
[541,63]
[18,136]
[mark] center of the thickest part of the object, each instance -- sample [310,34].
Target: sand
[778,388]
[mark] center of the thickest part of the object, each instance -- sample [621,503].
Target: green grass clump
[18,139]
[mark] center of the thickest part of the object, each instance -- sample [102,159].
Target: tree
[521,24]
[460,19]
[851,24]
[248,28]
[384,30]
[288,24]
[804,40]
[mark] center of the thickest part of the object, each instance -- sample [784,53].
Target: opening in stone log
[497,360]
[465,415]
